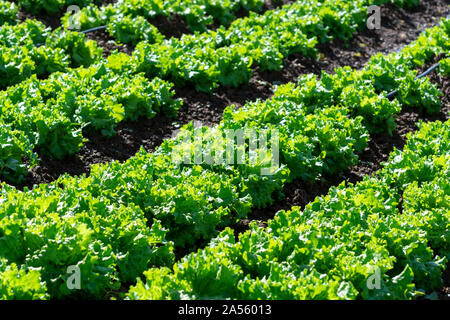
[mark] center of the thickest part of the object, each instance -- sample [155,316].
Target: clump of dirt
[108,43]
[171,26]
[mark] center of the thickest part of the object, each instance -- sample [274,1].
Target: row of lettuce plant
[127,217]
[196,13]
[386,237]
[226,56]
[29,48]
[50,115]
[128,19]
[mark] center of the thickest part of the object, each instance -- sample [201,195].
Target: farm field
[224,149]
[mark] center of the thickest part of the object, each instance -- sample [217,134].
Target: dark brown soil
[52,21]
[108,43]
[208,108]
[102,3]
[444,293]
[272,5]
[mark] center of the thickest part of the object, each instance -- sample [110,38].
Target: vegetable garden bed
[89,125]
